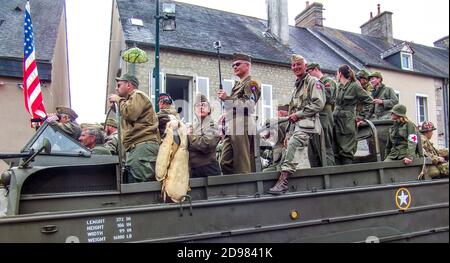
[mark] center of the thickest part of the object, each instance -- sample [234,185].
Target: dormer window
[407,61]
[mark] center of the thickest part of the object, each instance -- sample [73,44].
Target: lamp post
[169,24]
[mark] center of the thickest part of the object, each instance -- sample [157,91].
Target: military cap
[130,78]
[68,111]
[241,56]
[399,110]
[297,57]
[200,98]
[110,122]
[93,126]
[312,66]
[165,98]
[283,107]
[376,74]
[426,126]
[363,74]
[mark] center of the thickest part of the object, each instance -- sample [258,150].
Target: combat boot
[281,186]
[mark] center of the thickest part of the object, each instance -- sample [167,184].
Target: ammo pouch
[306,124]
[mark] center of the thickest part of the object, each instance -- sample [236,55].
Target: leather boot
[281,186]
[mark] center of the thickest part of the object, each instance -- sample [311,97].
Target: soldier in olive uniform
[403,138]
[349,94]
[326,115]
[439,158]
[308,100]
[94,139]
[139,127]
[238,152]
[384,98]
[361,111]
[275,135]
[112,136]
[203,140]
[65,120]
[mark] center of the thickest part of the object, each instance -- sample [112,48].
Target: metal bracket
[184,198]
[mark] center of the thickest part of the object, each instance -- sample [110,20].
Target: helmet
[427,126]
[399,110]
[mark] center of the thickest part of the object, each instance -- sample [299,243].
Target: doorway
[180,89]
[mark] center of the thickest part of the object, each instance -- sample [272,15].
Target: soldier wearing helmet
[439,158]
[403,138]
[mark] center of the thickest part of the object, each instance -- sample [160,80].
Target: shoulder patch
[413,138]
[319,85]
[328,85]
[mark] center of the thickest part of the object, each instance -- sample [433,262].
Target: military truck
[60,192]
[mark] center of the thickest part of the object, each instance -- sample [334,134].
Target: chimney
[311,17]
[278,20]
[379,26]
[442,43]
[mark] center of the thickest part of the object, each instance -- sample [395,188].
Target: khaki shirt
[363,111]
[138,120]
[242,102]
[389,98]
[245,94]
[308,100]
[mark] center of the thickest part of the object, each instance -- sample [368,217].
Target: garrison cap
[297,57]
[110,122]
[241,56]
[363,74]
[313,66]
[68,111]
[399,110]
[200,98]
[92,126]
[130,78]
[376,74]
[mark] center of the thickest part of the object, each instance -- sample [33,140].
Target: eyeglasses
[237,64]
[202,104]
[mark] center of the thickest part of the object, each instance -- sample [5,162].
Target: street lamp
[169,24]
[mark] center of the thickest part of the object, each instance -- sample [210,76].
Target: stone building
[189,61]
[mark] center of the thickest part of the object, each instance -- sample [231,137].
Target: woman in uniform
[348,96]
[403,138]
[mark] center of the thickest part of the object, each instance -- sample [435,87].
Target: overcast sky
[88,26]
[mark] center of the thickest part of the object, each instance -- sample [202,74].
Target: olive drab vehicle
[60,192]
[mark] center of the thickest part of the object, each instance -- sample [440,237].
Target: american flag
[31,84]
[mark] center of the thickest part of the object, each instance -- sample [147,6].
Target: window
[162,86]
[266,102]
[422,108]
[202,86]
[397,92]
[228,85]
[407,62]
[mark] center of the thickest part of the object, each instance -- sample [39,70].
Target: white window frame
[397,92]
[263,106]
[418,95]
[232,85]
[197,78]
[162,85]
[410,60]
